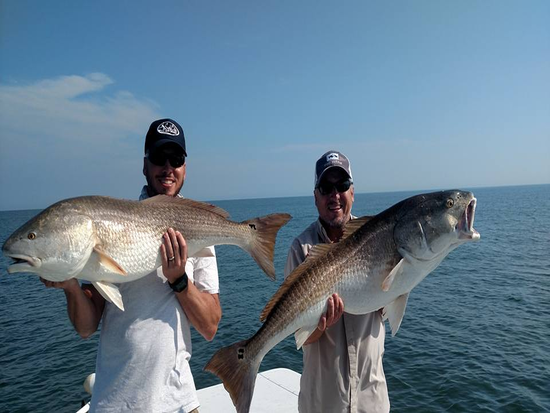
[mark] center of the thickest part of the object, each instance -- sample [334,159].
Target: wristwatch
[180,284]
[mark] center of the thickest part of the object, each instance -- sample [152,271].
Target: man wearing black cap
[144,351]
[164,142]
[343,357]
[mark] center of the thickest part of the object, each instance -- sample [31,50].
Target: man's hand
[335,309]
[173,253]
[67,285]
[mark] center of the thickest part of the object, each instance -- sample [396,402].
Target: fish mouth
[466,224]
[23,263]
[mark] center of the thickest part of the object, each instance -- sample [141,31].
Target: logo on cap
[168,128]
[332,157]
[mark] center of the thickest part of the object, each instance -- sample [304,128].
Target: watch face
[180,284]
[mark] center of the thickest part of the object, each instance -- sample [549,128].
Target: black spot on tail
[253,226]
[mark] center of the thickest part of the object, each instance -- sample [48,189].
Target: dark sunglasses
[159,158]
[326,188]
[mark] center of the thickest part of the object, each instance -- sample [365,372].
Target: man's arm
[84,305]
[201,308]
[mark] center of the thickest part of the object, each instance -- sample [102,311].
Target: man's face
[164,179]
[334,207]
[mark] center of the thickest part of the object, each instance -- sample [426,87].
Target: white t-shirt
[144,351]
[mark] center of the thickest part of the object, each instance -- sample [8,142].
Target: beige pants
[195,410]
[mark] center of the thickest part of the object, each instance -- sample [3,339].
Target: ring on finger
[172,258]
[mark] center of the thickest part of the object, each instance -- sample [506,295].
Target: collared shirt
[343,370]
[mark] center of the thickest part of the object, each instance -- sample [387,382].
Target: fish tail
[262,246]
[237,372]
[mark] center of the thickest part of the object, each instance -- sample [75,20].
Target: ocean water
[475,337]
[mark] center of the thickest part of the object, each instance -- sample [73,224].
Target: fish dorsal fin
[289,281]
[354,224]
[395,311]
[315,252]
[190,203]
[109,262]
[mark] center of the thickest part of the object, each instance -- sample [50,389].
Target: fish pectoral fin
[388,281]
[110,292]
[303,334]
[205,252]
[395,311]
[108,262]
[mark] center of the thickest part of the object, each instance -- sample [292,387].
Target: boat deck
[275,391]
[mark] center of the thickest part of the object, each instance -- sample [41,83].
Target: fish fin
[185,202]
[303,334]
[425,246]
[205,252]
[395,311]
[238,373]
[264,233]
[354,224]
[406,254]
[108,262]
[317,250]
[89,383]
[388,281]
[110,292]
[288,282]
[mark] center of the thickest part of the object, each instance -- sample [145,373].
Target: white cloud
[68,136]
[72,107]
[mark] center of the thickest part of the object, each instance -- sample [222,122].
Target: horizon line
[309,195]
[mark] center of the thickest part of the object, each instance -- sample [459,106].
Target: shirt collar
[322,233]
[144,194]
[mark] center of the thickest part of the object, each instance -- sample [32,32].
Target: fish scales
[118,225]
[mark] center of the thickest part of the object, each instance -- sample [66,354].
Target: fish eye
[450,202]
[31,235]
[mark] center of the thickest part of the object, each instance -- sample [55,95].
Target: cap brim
[163,142]
[328,168]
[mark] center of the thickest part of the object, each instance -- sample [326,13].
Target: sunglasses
[159,158]
[326,188]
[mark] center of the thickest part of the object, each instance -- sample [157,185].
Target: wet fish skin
[106,240]
[375,266]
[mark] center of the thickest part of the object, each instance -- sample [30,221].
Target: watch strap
[180,284]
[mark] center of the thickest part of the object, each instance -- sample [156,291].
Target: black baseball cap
[163,132]
[331,159]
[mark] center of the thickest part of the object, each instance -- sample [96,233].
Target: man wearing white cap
[343,358]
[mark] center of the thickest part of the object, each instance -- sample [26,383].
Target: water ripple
[474,337]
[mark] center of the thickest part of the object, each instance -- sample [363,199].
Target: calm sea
[475,337]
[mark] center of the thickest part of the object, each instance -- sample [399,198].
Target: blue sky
[419,94]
